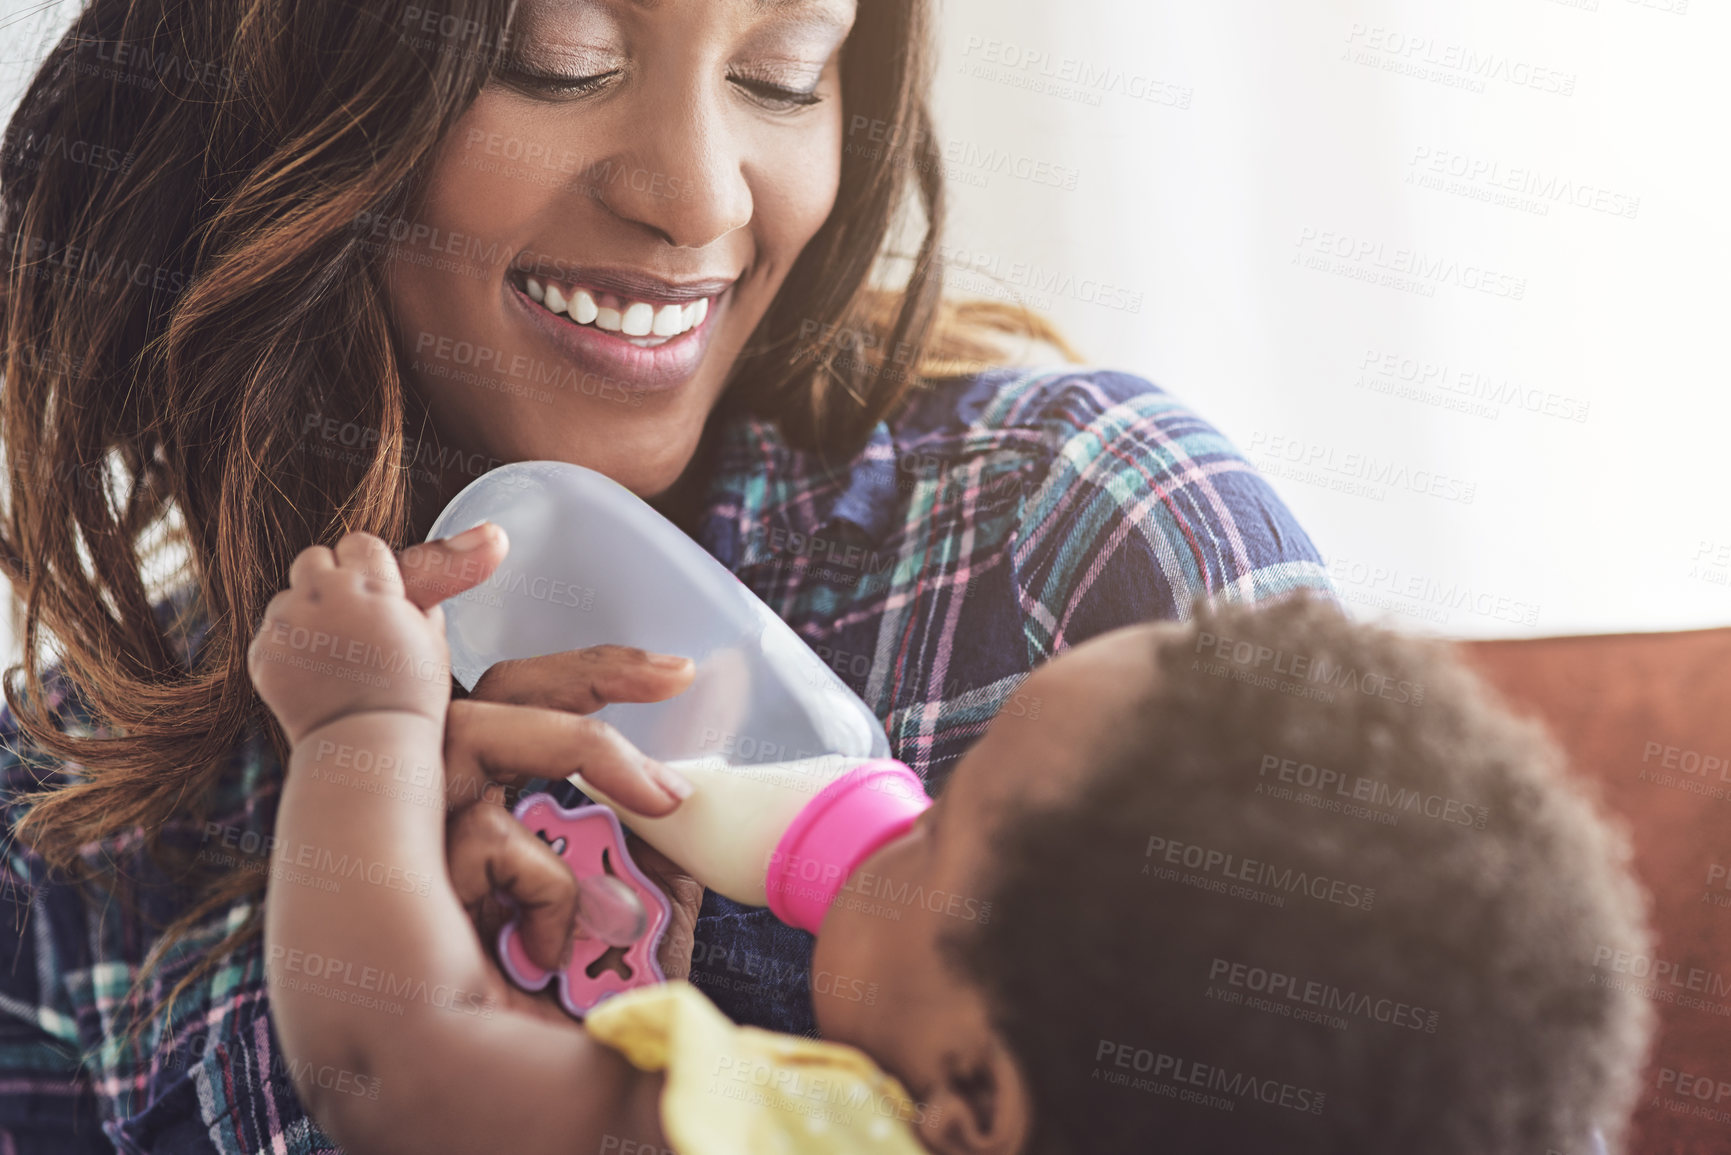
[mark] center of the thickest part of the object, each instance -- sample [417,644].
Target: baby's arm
[381,983]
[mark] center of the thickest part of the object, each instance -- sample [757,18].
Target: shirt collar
[760,481]
[869,498]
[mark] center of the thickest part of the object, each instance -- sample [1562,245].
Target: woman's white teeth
[639,319]
[645,325]
[582,308]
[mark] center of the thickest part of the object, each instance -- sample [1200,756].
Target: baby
[1264,880]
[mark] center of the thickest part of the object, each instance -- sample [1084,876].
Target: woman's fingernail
[470,538]
[667,661]
[671,780]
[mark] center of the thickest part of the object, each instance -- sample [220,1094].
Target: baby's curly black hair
[1322,893]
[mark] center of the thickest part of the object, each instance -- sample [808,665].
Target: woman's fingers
[523,721]
[583,681]
[436,570]
[492,742]
[488,850]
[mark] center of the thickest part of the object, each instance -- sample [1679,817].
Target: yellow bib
[735,1090]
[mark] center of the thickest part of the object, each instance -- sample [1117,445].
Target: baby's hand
[344,638]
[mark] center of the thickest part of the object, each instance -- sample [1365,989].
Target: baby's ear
[981,1105]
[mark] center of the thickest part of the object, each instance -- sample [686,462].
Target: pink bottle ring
[845,824]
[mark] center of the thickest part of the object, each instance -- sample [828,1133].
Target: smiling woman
[687,158]
[362,253]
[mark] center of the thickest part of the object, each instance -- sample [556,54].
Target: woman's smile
[650,337]
[727,119]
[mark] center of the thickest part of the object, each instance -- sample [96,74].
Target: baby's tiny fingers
[311,560]
[274,626]
[489,850]
[372,557]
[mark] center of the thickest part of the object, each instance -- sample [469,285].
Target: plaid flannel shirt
[994,521]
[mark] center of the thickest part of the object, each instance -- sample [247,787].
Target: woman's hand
[525,719]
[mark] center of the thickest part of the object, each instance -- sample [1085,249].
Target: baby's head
[1264,880]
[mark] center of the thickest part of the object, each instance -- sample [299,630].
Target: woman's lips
[611,357]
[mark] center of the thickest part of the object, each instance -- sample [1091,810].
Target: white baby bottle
[793,786]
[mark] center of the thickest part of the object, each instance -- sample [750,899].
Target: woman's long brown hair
[185,278]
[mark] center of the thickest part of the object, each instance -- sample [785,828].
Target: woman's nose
[684,175]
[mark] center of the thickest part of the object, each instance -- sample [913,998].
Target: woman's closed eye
[556,85]
[537,82]
[775,97]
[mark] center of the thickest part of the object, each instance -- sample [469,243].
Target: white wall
[1211,195]
[1272,136]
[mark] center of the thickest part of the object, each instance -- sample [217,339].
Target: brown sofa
[1648,717]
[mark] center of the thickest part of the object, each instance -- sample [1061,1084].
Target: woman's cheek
[800,181]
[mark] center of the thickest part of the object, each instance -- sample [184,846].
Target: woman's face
[654,167]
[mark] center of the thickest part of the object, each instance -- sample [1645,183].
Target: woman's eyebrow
[835,12]
[821,17]
[838,13]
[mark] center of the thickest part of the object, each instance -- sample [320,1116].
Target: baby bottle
[793,786]
[786,835]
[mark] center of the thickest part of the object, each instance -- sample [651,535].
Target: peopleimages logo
[1037,279]
[251,849]
[1469,384]
[1390,587]
[1662,980]
[1527,187]
[1167,1072]
[893,895]
[822,1099]
[1255,872]
[369,985]
[1372,791]
[1307,668]
[1398,267]
[1326,997]
[1065,77]
[1351,472]
[1462,65]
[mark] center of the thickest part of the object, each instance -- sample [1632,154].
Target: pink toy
[848,821]
[592,843]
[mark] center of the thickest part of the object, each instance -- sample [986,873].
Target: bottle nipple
[609,910]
